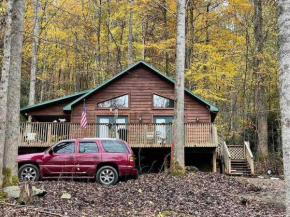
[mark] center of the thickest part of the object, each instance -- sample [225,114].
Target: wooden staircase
[240,168]
[236,160]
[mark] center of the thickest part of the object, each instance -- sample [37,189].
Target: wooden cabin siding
[140,83]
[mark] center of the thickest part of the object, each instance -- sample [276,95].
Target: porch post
[165,162]
[214,161]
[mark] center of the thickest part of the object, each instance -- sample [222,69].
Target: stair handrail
[227,157]
[249,156]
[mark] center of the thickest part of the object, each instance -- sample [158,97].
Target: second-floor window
[119,102]
[162,102]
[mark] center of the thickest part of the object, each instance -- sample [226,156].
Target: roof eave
[52,101]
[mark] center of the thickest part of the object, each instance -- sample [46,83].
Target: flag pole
[85,129]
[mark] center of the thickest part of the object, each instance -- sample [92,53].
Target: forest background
[73,45]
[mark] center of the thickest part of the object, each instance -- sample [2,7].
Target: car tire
[28,172]
[107,175]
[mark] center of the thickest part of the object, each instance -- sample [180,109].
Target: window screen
[88,147]
[64,148]
[113,146]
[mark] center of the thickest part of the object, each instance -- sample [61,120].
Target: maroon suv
[103,159]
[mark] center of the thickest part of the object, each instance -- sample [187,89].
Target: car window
[88,147]
[113,146]
[64,148]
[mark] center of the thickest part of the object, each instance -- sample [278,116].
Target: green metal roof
[68,107]
[53,100]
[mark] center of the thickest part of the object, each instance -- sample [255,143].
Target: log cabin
[136,105]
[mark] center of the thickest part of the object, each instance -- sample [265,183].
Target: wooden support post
[223,167]
[165,162]
[214,161]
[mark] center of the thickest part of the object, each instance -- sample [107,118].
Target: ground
[159,195]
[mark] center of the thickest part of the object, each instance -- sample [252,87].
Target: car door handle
[95,157]
[71,157]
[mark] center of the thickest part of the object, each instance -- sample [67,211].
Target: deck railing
[249,156]
[45,134]
[227,157]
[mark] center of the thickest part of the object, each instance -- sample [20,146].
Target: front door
[163,128]
[110,127]
[61,162]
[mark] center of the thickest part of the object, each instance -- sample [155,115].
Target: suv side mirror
[50,151]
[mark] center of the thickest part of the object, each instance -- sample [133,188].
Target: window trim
[152,102]
[113,97]
[79,147]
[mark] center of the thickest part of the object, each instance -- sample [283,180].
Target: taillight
[131,161]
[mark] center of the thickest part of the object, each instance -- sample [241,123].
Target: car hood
[33,157]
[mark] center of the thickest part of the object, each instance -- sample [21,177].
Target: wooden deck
[45,134]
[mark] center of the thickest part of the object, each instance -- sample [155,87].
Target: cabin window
[162,102]
[120,102]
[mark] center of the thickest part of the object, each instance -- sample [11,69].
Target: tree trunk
[34,52]
[4,83]
[165,37]
[130,35]
[12,132]
[260,78]
[284,78]
[98,42]
[178,153]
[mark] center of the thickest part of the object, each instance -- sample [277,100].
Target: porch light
[197,119]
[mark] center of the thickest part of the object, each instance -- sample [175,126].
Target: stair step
[240,174]
[239,160]
[241,170]
[241,166]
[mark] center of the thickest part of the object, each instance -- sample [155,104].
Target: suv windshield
[114,146]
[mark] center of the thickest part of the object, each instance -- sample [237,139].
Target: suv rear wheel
[28,172]
[107,175]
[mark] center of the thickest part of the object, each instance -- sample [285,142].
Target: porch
[45,134]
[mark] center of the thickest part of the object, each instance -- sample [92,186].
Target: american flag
[84,117]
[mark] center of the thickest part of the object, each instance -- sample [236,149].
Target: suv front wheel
[107,175]
[28,172]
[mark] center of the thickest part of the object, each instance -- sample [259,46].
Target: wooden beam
[214,161]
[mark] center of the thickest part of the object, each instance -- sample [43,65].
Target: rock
[65,196]
[261,177]
[14,191]
[191,169]
[38,192]
[274,178]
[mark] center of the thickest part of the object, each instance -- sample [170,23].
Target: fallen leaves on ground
[199,194]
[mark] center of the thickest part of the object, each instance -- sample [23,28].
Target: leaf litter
[199,194]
